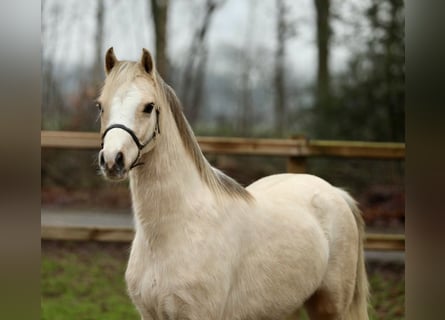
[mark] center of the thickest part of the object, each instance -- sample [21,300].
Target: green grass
[85,281]
[387,301]
[387,294]
[84,284]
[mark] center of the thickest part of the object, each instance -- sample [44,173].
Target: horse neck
[166,188]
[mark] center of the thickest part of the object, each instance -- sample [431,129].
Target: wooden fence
[297,152]
[373,241]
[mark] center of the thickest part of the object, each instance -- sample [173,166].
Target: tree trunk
[246,115]
[159,10]
[99,65]
[194,72]
[50,104]
[279,79]
[196,98]
[395,112]
[323,38]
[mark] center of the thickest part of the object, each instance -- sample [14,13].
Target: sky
[69,29]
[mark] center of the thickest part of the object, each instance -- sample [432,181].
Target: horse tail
[358,309]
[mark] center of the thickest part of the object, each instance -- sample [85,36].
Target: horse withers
[204,246]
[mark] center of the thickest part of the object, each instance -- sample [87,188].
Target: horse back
[306,195]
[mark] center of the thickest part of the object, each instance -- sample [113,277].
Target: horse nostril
[102,160]
[119,160]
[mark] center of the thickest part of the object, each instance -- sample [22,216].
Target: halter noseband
[134,137]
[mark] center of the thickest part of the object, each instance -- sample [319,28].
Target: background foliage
[324,69]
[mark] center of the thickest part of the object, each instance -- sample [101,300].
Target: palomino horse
[207,248]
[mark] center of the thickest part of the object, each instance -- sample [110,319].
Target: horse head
[129,106]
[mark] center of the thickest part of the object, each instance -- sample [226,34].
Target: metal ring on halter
[134,137]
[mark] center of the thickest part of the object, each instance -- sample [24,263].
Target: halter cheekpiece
[134,137]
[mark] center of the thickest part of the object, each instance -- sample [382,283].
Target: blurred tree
[323,93]
[369,98]
[194,72]
[284,30]
[387,56]
[159,10]
[98,72]
[83,115]
[246,112]
[52,98]
[280,92]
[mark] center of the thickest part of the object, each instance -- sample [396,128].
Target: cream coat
[206,248]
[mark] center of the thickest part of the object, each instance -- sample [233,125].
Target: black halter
[135,138]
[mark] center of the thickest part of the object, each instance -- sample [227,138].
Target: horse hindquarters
[338,298]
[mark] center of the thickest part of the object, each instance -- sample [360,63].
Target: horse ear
[110,60]
[147,61]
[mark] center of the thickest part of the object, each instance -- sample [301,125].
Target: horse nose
[111,164]
[119,161]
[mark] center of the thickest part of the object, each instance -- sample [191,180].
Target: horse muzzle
[113,166]
[118,154]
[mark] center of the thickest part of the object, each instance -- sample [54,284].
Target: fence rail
[296,150]
[373,241]
[299,147]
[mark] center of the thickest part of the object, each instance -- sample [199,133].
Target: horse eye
[149,107]
[99,106]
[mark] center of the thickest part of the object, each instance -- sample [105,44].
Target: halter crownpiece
[136,140]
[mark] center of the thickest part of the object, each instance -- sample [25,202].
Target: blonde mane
[215,179]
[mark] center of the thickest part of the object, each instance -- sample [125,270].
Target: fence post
[298,164]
